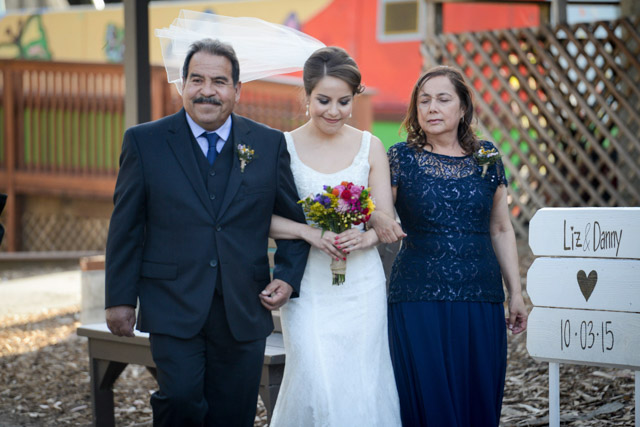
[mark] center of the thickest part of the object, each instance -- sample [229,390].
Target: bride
[338,370]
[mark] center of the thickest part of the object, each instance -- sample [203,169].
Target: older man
[189,237]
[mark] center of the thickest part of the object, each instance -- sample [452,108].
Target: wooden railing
[62,125]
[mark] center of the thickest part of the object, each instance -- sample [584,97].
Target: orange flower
[335,192]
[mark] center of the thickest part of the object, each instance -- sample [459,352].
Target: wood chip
[43,363]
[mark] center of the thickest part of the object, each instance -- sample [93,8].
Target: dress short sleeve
[499,176]
[502,178]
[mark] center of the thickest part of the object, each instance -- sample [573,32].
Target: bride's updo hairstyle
[331,61]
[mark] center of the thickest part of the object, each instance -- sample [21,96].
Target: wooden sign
[588,283]
[587,301]
[603,338]
[586,232]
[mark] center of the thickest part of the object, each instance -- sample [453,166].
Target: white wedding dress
[338,369]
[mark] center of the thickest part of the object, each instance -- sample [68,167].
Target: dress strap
[365,145]
[291,147]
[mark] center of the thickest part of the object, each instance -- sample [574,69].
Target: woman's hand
[354,239]
[517,320]
[323,241]
[387,228]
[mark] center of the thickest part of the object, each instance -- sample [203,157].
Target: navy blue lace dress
[446,317]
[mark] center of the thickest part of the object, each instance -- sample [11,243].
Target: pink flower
[343,206]
[356,190]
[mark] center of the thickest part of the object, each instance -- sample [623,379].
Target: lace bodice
[309,181]
[444,204]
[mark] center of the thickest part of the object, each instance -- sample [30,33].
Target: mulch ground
[44,381]
[44,376]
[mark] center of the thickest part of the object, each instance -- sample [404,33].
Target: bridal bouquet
[337,209]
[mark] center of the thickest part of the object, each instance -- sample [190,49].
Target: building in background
[62,117]
[383,36]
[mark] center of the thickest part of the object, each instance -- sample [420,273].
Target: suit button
[218,228]
[212,196]
[213,263]
[212,173]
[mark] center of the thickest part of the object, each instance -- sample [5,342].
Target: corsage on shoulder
[486,158]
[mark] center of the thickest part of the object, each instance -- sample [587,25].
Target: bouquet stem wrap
[339,270]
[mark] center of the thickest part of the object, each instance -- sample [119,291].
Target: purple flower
[323,200]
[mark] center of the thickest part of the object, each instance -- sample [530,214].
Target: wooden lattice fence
[562,104]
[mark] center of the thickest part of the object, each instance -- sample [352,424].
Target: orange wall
[459,18]
[393,68]
[390,68]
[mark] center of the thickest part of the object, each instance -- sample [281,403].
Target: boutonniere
[486,158]
[245,155]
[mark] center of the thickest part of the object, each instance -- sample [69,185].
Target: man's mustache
[205,100]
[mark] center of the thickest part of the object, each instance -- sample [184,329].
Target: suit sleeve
[126,229]
[291,255]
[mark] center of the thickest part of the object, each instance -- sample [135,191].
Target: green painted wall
[388,133]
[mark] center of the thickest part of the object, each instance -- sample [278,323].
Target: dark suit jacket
[166,244]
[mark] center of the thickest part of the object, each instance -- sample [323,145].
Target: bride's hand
[388,230]
[323,241]
[354,239]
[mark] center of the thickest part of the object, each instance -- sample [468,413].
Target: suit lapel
[180,143]
[238,136]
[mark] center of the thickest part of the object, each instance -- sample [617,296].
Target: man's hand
[121,319]
[276,294]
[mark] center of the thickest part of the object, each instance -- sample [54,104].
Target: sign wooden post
[585,288]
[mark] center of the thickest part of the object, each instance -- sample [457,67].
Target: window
[399,20]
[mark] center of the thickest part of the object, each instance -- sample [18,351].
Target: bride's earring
[307,113]
[350,115]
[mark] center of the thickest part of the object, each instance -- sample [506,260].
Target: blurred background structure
[557,83]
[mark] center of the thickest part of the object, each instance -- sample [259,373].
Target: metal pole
[433,21]
[628,8]
[554,394]
[137,71]
[558,12]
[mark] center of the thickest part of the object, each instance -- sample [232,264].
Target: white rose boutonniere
[245,155]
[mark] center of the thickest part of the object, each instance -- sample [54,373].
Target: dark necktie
[212,137]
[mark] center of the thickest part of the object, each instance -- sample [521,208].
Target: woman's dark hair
[213,47]
[466,137]
[331,61]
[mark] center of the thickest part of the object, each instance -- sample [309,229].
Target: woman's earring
[350,115]
[307,113]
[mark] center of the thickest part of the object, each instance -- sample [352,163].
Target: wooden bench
[110,354]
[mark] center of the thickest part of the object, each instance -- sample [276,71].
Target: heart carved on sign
[587,283]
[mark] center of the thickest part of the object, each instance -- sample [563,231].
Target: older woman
[446,315]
